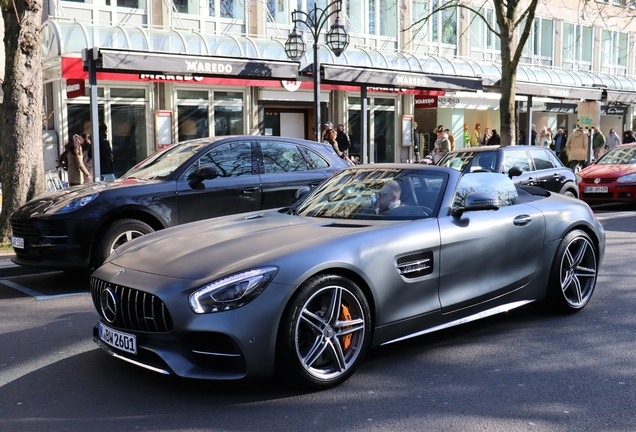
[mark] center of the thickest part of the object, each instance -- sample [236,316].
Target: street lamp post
[337,41]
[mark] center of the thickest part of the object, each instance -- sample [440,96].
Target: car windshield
[161,164]
[471,161]
[374,193]
[618,156]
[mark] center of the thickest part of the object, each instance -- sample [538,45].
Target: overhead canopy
[123,61]
[397,78]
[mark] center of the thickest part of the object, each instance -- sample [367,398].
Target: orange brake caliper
[346,339]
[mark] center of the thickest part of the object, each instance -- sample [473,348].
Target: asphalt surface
[526,370]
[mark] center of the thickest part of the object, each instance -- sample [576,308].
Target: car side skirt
[489,312]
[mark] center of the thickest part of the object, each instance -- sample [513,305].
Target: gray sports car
[375,255]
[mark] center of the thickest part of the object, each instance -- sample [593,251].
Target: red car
[611,178]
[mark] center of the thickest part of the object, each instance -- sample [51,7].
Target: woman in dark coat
[628,137]
[495,139]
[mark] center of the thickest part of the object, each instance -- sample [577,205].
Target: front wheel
[573,274]
[120,232]
[325,333]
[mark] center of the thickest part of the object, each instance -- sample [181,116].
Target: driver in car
[387,198]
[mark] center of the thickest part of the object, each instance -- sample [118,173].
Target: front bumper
[615,192]
[227,345]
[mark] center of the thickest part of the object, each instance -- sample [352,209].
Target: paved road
[522,371]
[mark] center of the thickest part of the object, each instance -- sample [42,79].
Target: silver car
[375,255]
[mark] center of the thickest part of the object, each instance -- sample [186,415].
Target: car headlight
[629,178]
[579,179]
[232,291]
[73,205]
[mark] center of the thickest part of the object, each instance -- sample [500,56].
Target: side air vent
[415,265]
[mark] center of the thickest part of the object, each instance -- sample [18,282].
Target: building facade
[570,55]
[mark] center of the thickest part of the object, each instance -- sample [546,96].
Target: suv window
[317,160]
[516,158]
[282,157]
[458,161]
[486,160]
[541,159]
[230,160]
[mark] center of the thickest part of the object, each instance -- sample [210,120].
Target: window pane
[193,122]
[230,160]
[232,9]
[587,47]
[547,34]
[280,11]
[129,136]
[228,96]
[449,26]
[388,18]
[494,184]
[128,93]
[279,158]
[623,45]
[372,16]
[541,160]
[568,41]
[228,120]
[317,161]
[192,94]
[516,158]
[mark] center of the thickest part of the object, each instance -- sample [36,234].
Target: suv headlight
[73,205]
[233,291]
[629,178]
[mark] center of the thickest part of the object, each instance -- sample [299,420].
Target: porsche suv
[77,228]
[540,166]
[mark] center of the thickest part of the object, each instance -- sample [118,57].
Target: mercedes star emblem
[108,303]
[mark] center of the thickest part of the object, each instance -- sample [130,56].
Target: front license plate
[120,340]
[17,242]
[596,189]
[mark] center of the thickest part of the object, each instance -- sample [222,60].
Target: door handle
[250,190]
[522,220]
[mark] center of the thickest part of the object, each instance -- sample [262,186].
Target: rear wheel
[573,274]
[118,233]
[325,333]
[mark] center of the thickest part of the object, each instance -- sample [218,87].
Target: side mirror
[203,173]
[515,171]
[302,193]
[478,202]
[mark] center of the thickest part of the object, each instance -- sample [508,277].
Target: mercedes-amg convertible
[375,255]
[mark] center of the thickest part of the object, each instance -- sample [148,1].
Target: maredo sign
[425,102]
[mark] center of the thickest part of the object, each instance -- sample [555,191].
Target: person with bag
[77,172]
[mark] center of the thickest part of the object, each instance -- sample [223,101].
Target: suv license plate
[596,189]
[120,340]
[17,242]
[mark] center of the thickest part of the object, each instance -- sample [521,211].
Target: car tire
[118,233]
[573,273]
[570,191]
[324,333]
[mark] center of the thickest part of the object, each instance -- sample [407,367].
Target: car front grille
[591,180]
[24,228]
[415,265]
[136,310]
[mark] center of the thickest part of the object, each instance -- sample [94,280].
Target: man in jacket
[577,149]
[559,141]
[343,139]
[613,140]
[598,143]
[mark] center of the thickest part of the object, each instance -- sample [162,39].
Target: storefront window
[228,120]
[134,93]
[193,94]
[192,122]
[384,136]
[128,136]
[380,131]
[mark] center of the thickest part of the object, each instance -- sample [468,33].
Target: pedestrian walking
[484,139]
[343,139]
[628,137]
[328,128]
[451,139]
[77,172]
[577,148]
[558,142]
[106,165]
[598,143]
[495,139]
[613,140]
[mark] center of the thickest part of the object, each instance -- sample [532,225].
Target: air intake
[415,265]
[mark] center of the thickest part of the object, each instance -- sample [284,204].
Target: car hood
[41,204]
[608,171]
[224,245]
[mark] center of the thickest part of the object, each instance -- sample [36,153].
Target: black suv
[540,166]
[78,227]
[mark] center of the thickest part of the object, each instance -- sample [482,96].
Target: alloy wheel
[578,272]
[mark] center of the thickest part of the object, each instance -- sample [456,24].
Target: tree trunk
[508,87]
[22,169]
